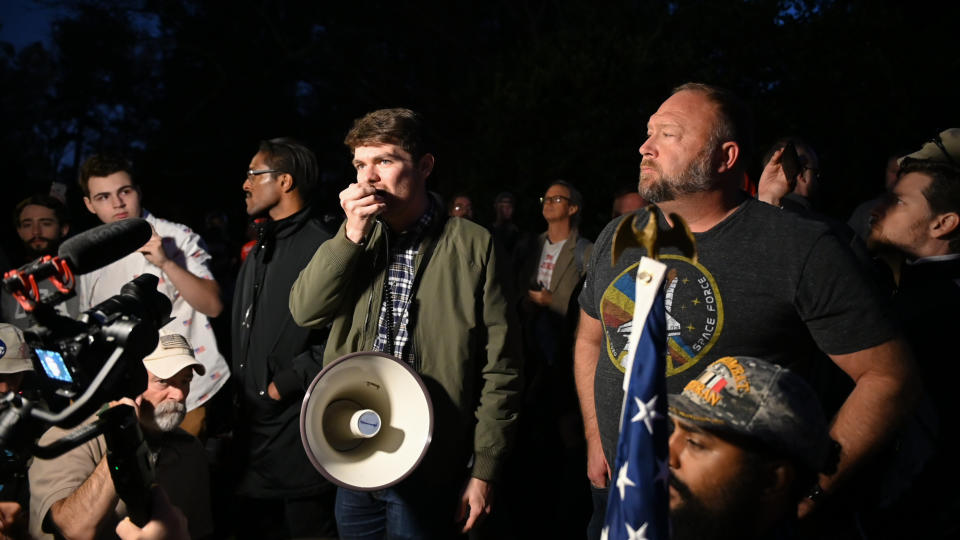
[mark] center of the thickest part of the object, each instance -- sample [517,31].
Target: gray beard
[168,415]
[694,179]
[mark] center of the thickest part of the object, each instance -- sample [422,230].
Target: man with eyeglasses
[552,274]
[281,493]
[176,255]
[794,194]
[797,195]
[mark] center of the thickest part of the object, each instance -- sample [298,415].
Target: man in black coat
[274,360]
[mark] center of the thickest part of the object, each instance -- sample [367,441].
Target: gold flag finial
[648,236]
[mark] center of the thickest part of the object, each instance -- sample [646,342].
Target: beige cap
[171,355]
[14,352]
[944,147]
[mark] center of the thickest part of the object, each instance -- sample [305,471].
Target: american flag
[638,503]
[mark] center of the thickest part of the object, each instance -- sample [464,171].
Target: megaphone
[366,421]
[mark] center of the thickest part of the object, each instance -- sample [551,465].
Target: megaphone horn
[366,421]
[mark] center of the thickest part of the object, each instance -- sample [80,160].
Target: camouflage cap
[944,147]
[760,401]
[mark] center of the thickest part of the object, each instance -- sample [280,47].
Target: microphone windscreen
[102,245]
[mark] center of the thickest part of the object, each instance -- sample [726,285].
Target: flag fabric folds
[638,504]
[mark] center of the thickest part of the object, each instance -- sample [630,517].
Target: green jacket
[464,336]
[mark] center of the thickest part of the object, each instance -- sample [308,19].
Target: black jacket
[269,347]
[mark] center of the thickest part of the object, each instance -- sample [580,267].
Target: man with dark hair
[175,254]
[919,224]
[796,193]
[461,206]
[764,283]
[274,360]
[42,223]
[402,278]
[749,438]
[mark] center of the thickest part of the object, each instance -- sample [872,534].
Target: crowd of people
[804,366]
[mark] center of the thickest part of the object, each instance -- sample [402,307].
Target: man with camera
[74,494]
[175,254]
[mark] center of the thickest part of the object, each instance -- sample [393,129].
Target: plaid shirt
[398,289]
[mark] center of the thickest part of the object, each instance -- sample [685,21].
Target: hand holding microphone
[362,203]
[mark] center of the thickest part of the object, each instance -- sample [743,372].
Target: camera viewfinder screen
[54,365]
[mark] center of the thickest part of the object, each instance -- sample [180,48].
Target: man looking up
[402,278]
[919,222]
[766,283]
[274,360]
[175,254]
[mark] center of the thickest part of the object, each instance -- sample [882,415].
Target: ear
[729,154]
[286,183]
[944,224]
[572,209]
[781,477]
[89,204]
[425,166]
[64,229]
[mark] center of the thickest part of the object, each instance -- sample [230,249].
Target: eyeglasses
[555,199]
[252,173]
[937,141]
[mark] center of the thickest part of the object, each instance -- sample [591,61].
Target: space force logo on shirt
[694,312]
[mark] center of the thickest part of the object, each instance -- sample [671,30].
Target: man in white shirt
[176,255]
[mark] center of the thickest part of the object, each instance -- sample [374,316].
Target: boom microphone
[84,253]
[105,244]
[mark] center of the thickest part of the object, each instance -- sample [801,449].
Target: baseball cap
[14,351]
[760,401]
[171,355]
[944,147]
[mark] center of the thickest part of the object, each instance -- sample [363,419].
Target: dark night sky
[554,98]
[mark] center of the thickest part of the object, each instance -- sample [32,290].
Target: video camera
[91,360]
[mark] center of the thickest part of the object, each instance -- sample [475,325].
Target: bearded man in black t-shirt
[766,284]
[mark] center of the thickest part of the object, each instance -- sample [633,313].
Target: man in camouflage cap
[748,441]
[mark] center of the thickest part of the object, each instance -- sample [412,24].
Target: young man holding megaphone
[402,278]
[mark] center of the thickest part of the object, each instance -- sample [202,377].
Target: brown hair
[402,127]
[100,165]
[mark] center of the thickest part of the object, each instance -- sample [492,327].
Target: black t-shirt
[767,284]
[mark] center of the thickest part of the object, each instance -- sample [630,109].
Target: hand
[127,401]
[476,499]
[362,205]
[598,471]
[167,522]
[153,250]
[273,392]
[774,184]
[11,526]
[543,297]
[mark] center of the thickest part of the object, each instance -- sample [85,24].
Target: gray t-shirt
[767,283]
